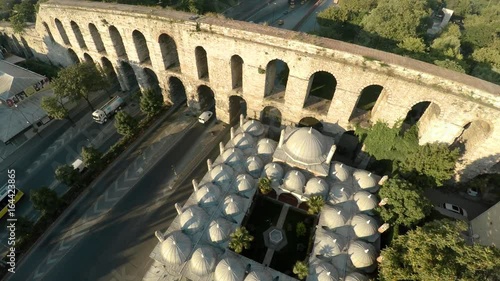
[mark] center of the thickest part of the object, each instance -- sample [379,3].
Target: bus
[4,199]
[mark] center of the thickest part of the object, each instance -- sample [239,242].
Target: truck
[102,114]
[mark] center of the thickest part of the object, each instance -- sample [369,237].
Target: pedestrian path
[279,224]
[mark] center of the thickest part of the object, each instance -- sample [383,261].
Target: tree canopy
[67,175]
[125,124]
[240,239]
[46,201]
[91,157]
[54,106]
[151,102]
[21,14]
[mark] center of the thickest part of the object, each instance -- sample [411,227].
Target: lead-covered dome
[253,127]
[316,186]
[243,141]
[365,200]
[176,248]
[261,275]
[219,230]
[245,183]
[203,261]
[306,146]
[193,219]
[233,157]
[362,254]
[364,225]
[339,193]
[208,194]
[339,172]
[323,272]
[229,269]
[233,205]
[221,175]
[365,180]
[266,147]
[294,181]
[329,245]
[333,217]
[254,166]
[273,171]
[356,276]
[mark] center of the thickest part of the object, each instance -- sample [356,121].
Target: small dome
[362,254]
[365,179]
[339,193]
[273,171]
[176,248]
[245,183]
[365,200]
[316,186]
[339,172]
[243,141]
[233,205]
[203,261]
[356,276]
[219,230]
[324,272]
[307,146]
[233,157]
[266,147]
[192,219]
[329,245]
[208,194]
[254,166]
[261,275]
[221,175]
[253,127]
[229,269]
[333,217]
[364,225]
[294,181]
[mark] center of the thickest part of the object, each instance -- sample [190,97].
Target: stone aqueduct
[226,58]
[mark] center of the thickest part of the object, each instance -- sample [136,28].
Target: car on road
[205,116]
[281,22]
[473,191]
[454,209]
[78,165]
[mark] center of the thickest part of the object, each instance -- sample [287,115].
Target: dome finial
[310,130]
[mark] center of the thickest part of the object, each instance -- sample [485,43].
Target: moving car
[472,191]
[205,116]
[454,209]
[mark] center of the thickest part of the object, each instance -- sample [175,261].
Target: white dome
[253,127]
[261,275]
[339,193]
[365,200]
[333,217]
[219,230]
[324,272]
[245,183]
[307,146]
[233,157]
[294,181]
[192,219]
[364,225]
[221,175]
[243,141]
[203,261]
[233,205]
[266,147]
[365,179]
[176,248]
[273,171]
[361,254]
[339,172]
[229,269]
[329,244]
[254,166]
[208,194]
[316,186]
[356,276]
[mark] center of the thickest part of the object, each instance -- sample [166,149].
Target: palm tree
[240,239]
[315,204]
[265,185]
[301,269]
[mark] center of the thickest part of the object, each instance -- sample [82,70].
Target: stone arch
[62,32]
[320,91]
[471,135]
[96,37]
[206,97]
[366,102]
[201,63]
[288,198]
[422,113]
[29,53]
[129,75]
[109,70]
[277,72]
[141,47]
[237,106]
[73,57]
[18,49]
[311,122]
[347,149]
[87,58]
[236,72]
[78,35]
[152,81]
[47,29]
[117,40]
[271,116]
[177,90]
[169,53]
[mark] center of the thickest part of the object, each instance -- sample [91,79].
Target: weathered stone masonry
[233,59]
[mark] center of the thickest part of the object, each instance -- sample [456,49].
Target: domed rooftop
[316,186]
[229,269]
[176,248]
[254,166]
[219,230]
[324,272]
[362,254]
[243,141]
[203,261]
[306,146]
[208,194]
[245,183]
[365,200]
[233,205]
[365,179]
[339,193]
[294,181]
[266,147]
[356,276]
[333,217]
[221,175]
[193,219]
[273,171]
[233,157]
[330,244]
[339,172]
[253,127]
[364,225]
[261,275]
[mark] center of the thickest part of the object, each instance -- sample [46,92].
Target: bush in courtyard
[315,204]
[265,185]
[300,229]
[301,269]
[240,239]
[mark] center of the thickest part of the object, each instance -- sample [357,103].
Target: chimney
[221,148]
[160,236]
[209,164]
[383,227]
[195,185]
[242,121]
[330,154]
[178,208]
[232,132]
[282,138]
[383,180]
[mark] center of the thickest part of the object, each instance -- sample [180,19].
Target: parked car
[454,209]
[205,116]
[473,191]
[78,165]
[281,22]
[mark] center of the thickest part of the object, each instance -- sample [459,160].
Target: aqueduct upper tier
[276,72]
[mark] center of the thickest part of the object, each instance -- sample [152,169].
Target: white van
[78,165]
[205,116]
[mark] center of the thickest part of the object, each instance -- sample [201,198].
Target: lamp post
[27,121]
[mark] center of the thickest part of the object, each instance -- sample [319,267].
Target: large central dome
[307,146]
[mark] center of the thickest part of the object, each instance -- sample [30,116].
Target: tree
[21,14]
[46,201]
[265,185]
[24,228]
[406,204]
[315,204]
[436,251]
[240,239]
[450,64]
[301,269]
[92,157]
[67,175]
[55,108]
[151,102]
[448,43]
[125,124]
[413,45]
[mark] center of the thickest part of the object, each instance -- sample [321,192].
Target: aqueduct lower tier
[291,74]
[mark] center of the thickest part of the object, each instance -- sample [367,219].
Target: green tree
[125,124]
[315,204]
[240,239]
[67,175]
[301,269]
[55,108]
[413,45]
[450,64]
[448,43]
[300,229]
[21,14]
[46,201]
[151,102]
[480,29]
[24,228]
[406,204]
[437,251]
[92,157]
[265,185]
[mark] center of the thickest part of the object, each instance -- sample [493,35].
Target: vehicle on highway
[102,114]
[79,165]
[454,209]
[473,191]
[281,22]
[205,116]
[4,198]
